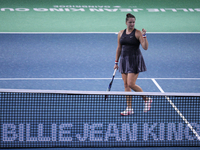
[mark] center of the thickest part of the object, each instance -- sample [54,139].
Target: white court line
[177,78]
[94,32]
[153,79]
[177,110]
[158,86]
[58,33]
[5,79]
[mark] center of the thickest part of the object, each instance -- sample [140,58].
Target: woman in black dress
[131,60]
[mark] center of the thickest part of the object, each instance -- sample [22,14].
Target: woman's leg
[127,89]
[132,78]
[130,83]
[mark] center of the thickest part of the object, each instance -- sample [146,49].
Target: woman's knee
[127,88]
[131,84]
[126,85]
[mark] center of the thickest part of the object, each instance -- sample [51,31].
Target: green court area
[98,16]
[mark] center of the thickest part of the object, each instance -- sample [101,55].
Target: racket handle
[114,72]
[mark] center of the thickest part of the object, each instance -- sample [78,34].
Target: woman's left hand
[144,31]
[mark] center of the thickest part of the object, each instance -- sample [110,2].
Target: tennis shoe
[128,111]
[147,105]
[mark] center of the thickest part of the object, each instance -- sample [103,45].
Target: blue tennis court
[71,61]
[84,62]
[71,45]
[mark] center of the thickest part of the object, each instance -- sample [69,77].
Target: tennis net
[43,118]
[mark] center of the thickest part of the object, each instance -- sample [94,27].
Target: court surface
[71,61]
[71,45]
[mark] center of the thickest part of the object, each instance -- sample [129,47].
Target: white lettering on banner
[21,132]
[111,10]
[9,129]
[153,10]
[40,9]
[187,131]
[79,6]
[63,131]
[97,132]
[184,9]
[54,132]
[125,10]
[4,9]
[28,134]
[83,8]
[21,9]
[74,9]
[162,10]
[172,9]
[190,9]
[172,129]
[98,10]
[40,134]
[115,132]
[85,135]
[137,10]
[148,131]
[54,9]
[67,9]
[16,9]
[132,134]
[197,9]
[162,131]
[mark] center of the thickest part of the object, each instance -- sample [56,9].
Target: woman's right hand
[116,66]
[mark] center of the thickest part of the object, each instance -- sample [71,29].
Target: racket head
[106,97]
[110,85]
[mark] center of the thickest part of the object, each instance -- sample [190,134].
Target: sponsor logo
[98,132]
[91,8]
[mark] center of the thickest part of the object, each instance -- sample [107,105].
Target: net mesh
[85,119]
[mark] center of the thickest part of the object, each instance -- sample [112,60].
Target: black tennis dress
[131,59]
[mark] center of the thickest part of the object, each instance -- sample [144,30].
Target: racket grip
[114,72]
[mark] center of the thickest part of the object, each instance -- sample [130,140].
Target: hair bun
[128,15]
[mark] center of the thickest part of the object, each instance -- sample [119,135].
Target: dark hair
[129,15]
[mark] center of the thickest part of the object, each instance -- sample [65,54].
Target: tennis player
[131,60]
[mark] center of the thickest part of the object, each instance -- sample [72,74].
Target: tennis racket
[110,85]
